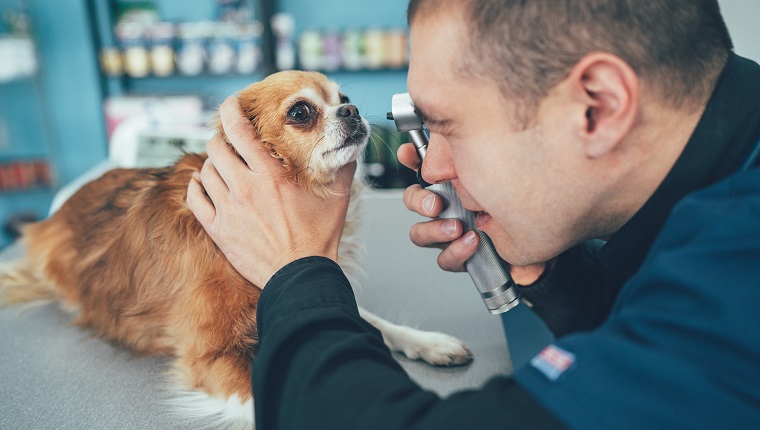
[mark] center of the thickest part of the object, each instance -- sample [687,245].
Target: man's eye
[300,112]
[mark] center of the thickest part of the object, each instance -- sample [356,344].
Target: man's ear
[609,89]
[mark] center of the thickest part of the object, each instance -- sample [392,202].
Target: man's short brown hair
[677,47]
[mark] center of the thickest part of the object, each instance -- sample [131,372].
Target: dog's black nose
[348,110]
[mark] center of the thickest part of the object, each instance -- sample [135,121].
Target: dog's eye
[300,112]
[344,99]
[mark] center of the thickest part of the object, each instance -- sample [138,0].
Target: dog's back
[130,259]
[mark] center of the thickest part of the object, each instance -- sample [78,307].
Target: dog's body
[130,260]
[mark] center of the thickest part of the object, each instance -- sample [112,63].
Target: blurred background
[86,85]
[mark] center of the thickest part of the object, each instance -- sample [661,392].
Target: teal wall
[59,114]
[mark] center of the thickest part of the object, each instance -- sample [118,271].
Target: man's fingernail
[469,237]
[427,203]
[449,227]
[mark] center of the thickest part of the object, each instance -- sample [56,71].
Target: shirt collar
[722,140]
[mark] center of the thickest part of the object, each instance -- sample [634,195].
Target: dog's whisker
[375,137]
[379,139]
[314,147]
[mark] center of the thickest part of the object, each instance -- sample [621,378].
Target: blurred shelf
[27,192]
[404,70]
[184,77]
[28,80]
[256,75]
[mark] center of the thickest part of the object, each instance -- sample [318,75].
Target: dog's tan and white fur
[127,257]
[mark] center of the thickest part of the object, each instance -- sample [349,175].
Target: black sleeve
[321,366]
[576,293]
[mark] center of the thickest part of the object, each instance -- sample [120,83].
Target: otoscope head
[404,114]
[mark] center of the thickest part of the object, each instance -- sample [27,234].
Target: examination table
[58,376]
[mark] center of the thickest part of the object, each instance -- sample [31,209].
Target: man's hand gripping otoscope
[487,270]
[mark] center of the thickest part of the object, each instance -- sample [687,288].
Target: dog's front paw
[437,349]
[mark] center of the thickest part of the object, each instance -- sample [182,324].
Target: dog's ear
[261,102]
[247,99]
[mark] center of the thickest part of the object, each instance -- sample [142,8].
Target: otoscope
[487,270]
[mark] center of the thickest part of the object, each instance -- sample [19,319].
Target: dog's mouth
[358,137]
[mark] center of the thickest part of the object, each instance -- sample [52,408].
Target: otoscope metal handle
[487,270]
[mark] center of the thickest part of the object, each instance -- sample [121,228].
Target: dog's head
[306,122]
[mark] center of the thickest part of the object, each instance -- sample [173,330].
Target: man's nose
[438,165]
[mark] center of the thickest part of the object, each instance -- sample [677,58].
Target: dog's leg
[213,389]
[435,348]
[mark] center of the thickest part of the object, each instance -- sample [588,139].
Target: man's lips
[482,219]
[474,207]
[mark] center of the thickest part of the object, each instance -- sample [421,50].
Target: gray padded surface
[56,376]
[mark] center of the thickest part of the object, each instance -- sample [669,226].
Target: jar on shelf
[331,50]
[221,48]
[17,58]
[283,26]
[375,48]
[131,36]
[397,48]
[310,50]
[352,49]
[248,47]
[190,55]
[111,61]
[162,48]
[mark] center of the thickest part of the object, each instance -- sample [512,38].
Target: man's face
[526,180]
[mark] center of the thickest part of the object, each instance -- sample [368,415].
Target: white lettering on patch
[553,361]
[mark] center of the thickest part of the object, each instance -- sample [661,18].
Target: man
[560,122]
